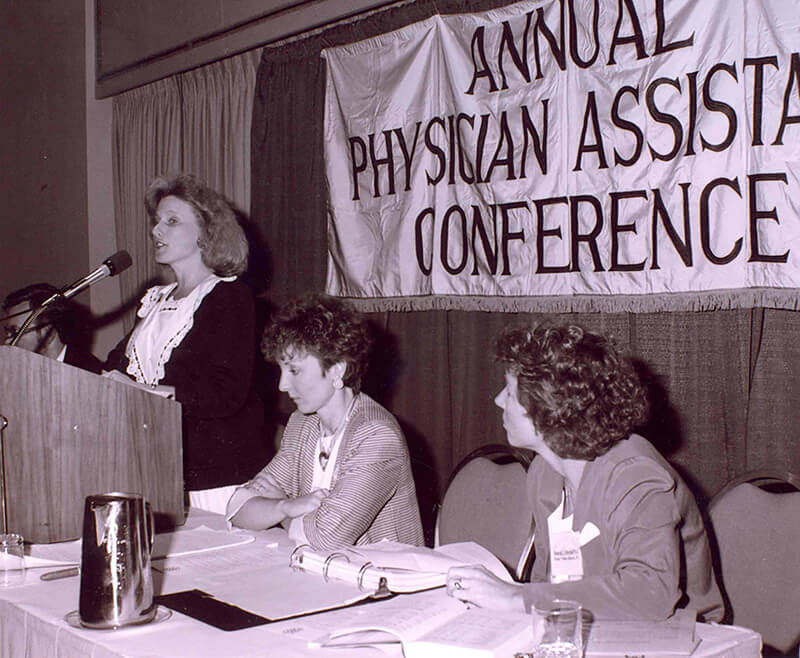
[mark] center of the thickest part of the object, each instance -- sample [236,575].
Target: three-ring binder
[296,558]
[328,561]
[375,572]
[361,572]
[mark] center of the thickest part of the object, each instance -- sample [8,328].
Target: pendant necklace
[326,443]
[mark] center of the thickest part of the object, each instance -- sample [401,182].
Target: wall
[139,42]
[105,296]
[55,154]
[44,227]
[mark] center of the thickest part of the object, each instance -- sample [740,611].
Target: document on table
[208,568]
[60,554]
[673,637]
[198,540]
[261,580]
[428,624]
[167,544]
[476,632]
[277,592]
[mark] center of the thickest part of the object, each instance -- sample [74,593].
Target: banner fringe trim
[714,300]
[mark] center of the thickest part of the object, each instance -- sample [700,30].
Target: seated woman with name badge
[617,529]
[342,475]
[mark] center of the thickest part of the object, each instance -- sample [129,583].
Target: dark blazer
[212,372]
[83,360]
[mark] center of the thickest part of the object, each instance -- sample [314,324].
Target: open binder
[390,567]
[342,581]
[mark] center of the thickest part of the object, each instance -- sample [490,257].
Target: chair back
[757,534]
[485,502]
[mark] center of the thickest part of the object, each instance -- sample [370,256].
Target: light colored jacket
[372,493]
[652,554]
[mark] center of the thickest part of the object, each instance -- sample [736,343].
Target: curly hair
[223,242]
[577,389]
[325,328]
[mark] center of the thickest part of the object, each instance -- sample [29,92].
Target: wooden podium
[72,433]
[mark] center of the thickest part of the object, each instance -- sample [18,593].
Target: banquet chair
[485,502]
[755,522]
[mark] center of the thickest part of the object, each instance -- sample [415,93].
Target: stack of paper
[431,625]
[673,638]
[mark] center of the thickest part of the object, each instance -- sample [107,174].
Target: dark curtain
[724,385]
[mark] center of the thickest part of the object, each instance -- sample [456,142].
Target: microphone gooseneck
[111,266]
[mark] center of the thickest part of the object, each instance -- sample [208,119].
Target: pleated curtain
[196,122]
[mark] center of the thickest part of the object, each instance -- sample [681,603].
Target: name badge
[566,560]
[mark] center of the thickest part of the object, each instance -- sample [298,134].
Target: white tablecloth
[33,624]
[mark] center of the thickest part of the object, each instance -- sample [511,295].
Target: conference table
[38,618]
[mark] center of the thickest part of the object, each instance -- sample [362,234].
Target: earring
[199,244]
[338,383]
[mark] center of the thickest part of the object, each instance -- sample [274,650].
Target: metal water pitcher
[116,580]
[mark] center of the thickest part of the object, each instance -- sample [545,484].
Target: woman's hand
[302,505]
[259,512]
[477,585]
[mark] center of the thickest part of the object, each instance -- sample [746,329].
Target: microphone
[111,266]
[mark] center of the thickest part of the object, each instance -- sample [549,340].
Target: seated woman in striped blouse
[342,475]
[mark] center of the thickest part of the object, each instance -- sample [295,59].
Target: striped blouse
[372,493]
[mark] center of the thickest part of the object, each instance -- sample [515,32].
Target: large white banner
[569,155]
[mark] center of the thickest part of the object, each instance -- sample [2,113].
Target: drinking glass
[559,624]
[12,560]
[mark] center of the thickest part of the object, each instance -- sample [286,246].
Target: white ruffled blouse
[164,323]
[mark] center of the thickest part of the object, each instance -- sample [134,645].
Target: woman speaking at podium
[197,334]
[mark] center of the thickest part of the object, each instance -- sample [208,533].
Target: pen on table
[61,573]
